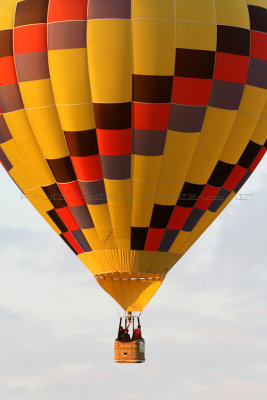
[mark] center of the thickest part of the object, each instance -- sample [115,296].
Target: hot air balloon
[131,124]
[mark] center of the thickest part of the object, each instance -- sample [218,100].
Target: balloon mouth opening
[131,290]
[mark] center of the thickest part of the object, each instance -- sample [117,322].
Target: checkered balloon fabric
[131,124]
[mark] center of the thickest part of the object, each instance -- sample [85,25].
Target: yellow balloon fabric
[131,124]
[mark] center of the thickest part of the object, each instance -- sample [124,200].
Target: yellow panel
[12,152]
[195,10]
[22,177]
[18,124]
[241,132]
[168,192]
[119,201]
[37,93]
[253,100]
[109,59]
[145,167]
[153,47]
[7,13]
[39,200]
[179,241]
[259,3]
[41,172]
[92,238]
[43,121]
[260,134]
[100,215]
[156,9]
[78,117]
[143,201]
[69,76]
[232,12]
[217,126]
[106,237]
[196,35]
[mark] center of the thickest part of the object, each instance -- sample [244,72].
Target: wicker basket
[129,352]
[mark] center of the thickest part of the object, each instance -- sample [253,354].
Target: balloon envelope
[130,125]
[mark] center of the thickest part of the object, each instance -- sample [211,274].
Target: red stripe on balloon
[67,10]
[150,116]
[87,168]
[258,159]
[258,45]
[72,193]
[29,39]
[231,68]
[154,238]
[207,196]
[191,91]
[114,143]
[179,216]
[7,71]
[235,177]
[72,241]
[68,218]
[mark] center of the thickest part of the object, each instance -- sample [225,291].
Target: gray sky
[206,328]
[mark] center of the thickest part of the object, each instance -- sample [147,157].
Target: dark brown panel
[113,116]
[10,98]
[55,196]
[94,192]
[62,169]
[67,35]
[82,216]
[220,174]
[98,9]
[243,181]
[31,12]
[193,219]
[79,236]
[167,241]
[5,161]
[57,220]
[116,167]
[194,63]
[186,118]
[219,200]
[6,47]
[138,238]
[32,66]
[152,89]
[249,155]
[258,18]
[189,195]
[233,40]
[257,73]
[226,95]
[5,134]
[82,143]
[160,216]
[148,143]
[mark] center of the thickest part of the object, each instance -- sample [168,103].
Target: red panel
[235,177]
[207,196]
[72,193]
[87,168]
[29,39]
[258,159]
[7,71]
[258,47]
[179,216]
[67,10]
[154,238]
[231,68]
[191,91]
[72,241]
[68,218]
[150,116]
[114,143]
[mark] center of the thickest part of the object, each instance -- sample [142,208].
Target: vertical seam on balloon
[196,145]
[162,157]
[107,204]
